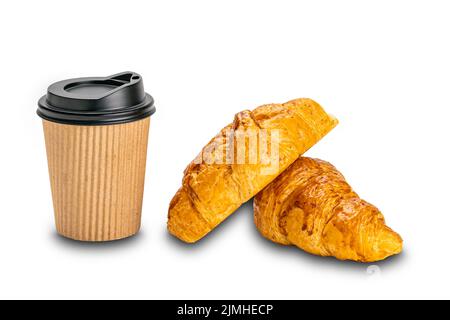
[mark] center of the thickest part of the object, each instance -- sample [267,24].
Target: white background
[381,67]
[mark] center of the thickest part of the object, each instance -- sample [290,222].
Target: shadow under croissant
[209,239]
[323,262]
[283,251]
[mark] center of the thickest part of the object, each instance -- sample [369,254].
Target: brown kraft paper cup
[97,175]
[97,178]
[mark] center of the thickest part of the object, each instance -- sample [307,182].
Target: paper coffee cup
[96,133]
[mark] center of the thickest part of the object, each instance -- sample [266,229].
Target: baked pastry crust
[211,191]
[310,205]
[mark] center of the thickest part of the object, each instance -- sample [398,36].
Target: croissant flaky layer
[229,171]
[311,206]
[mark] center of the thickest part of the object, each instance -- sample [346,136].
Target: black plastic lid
[97,100]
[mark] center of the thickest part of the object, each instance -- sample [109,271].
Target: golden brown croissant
[214,188]
[310,205]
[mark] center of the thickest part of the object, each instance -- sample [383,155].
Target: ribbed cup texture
[97,178]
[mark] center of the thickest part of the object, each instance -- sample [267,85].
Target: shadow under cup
[96,133]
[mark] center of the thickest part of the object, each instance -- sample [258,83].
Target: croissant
[311,206]
[215,185]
